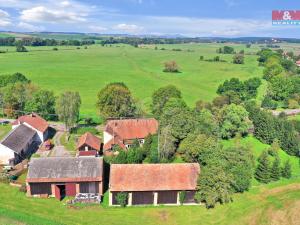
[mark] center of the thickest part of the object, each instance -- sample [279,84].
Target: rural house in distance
[27,133]
[65,176]
[88,145]
[124,132]
[153,184]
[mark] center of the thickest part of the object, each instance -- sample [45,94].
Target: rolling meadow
[141,69]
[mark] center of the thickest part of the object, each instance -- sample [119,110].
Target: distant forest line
[49,39]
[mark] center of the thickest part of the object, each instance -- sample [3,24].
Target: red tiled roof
[129,129]
[154,177]
[90,140]
[298,62]
[33,120]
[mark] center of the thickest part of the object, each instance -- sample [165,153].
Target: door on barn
[60,191]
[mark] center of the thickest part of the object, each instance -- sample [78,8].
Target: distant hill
[80,36]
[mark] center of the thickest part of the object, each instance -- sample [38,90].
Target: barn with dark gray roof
[18,145]
[65,176]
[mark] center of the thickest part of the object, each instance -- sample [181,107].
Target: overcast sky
[228,18]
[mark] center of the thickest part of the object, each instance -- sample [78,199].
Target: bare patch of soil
[287,216]
[163,215]
[291,187]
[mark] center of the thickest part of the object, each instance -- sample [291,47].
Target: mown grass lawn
[89,70]
[276,203]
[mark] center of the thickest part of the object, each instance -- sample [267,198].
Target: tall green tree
[205,122]
[15,97]
[178,117]
[115,101]
[280,88]
[167,145]
[43,103]
[275,169]
[12,79]
[161,96]
[194,146]
[286,171]
[272,67]
[262,173]
[240,164]
[150,149]
[233,120]
[67,108]
[214,186]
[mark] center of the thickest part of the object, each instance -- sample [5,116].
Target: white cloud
[42,14]
[97,29]
[3,14]
[4,18]
[66,3]
[129,28]
[29,27]
[78,15]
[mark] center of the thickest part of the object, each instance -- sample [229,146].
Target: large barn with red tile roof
[124,132]
[154,183]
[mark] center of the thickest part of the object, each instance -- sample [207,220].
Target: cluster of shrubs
[282,76]
[215,59]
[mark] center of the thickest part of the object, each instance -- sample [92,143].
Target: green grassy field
[4,129]
[276,203]
[5,35]
[89,70]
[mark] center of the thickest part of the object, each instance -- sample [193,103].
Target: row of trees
[31,41]
[18,96]
[238,91]
[267,128]
[226,50]
[268,171]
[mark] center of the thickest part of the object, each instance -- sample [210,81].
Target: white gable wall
[107,137]
[6,154]
[40,134]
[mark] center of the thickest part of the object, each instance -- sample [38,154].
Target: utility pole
[158,141]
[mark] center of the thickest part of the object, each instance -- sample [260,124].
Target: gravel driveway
[59,150]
